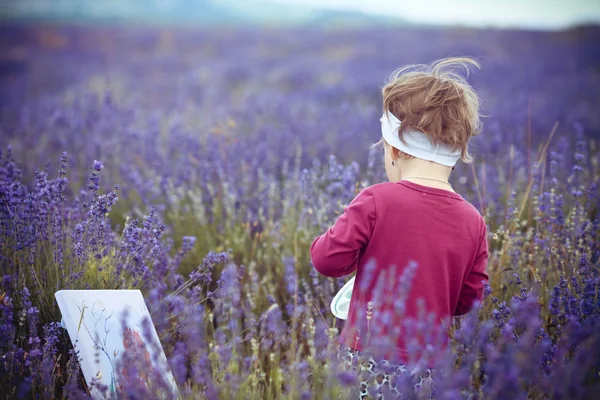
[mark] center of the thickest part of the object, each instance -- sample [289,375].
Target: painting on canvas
[105,327]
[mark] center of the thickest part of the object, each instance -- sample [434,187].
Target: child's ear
[395,153]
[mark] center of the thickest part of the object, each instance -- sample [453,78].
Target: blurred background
[537,14]
[271,76]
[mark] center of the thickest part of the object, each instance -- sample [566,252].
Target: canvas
[94,321]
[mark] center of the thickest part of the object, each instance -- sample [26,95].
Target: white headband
[417,143]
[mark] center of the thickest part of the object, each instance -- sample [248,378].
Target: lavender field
[199,165]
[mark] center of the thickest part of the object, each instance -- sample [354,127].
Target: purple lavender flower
[290,275]
[98,166]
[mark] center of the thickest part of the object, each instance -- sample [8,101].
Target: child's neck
[417,168]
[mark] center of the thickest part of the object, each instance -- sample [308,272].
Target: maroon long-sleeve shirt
[394,224]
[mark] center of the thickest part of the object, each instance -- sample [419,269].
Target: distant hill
[143,10]
[204,12]
[354,18]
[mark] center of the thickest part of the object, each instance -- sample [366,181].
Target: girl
[416,219]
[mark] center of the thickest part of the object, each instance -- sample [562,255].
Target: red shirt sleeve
[472,288]
[335,253]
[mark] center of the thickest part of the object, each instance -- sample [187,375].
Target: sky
[500,13]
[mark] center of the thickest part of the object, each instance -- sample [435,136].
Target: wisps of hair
[436,100]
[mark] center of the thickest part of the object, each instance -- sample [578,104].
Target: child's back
[396,224]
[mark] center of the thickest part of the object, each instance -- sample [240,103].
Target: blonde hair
[436,100]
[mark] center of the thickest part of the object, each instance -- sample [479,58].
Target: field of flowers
[198,166]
